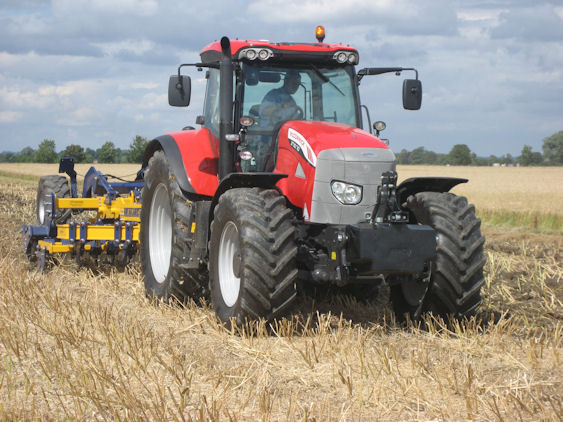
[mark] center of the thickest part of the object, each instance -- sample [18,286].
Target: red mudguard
[199,150]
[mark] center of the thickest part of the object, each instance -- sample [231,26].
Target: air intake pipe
[226,150]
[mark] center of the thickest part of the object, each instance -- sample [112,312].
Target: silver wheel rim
[41,210]
[160,233]
[44,207]
[229,282]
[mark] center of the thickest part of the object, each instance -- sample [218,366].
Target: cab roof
[278,51]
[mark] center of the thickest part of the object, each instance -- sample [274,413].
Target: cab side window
[338,98]
[211,107]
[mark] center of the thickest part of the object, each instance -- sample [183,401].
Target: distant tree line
[461,155]
[107,153]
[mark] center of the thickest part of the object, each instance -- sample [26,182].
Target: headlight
[253,53]
[379,125]
[264,54]
[346,193]
[346,56]
[245,155]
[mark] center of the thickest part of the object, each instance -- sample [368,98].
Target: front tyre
[452,284]
[165,237]
[252,251]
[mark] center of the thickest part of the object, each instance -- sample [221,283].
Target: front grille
[360,166]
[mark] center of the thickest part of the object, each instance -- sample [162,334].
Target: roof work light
[320,33]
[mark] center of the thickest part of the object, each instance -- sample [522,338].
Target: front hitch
[387,208]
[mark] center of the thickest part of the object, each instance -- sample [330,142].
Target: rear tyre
[165,236]
[48,185]
[252,251]
[451,286]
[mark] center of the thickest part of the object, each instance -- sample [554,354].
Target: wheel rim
[160,233]
[41,210]
[229,264]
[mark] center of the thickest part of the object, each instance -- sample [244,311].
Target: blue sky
[87,72]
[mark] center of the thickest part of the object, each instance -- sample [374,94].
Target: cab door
[211,109]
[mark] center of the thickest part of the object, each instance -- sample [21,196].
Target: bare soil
[78,343]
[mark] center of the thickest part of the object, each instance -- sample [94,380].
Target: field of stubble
[77,343]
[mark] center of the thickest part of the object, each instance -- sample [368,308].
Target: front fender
[244,180]
[426,184]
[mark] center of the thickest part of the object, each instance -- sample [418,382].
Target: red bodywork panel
[237,45]
[199,149]
[312,138]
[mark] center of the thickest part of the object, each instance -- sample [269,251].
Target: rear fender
[426,184]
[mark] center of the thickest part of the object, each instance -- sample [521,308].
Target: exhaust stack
[226,151]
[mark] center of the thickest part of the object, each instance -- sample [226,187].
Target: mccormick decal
[300,144]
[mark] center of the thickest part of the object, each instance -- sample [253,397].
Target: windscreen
[273,95]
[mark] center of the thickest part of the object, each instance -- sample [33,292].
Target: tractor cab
[272,95]
[271,84]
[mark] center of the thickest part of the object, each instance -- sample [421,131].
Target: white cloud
[83,116]
[129,7]
[10,116]
[529,24]
[137,47]
[480,15]
[12,98]
[153,100]
[32,24]
[144,85]
[323,10]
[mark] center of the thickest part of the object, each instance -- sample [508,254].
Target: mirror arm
[214,65]
[414,70]
[369,118]
[179,85]
[382,70]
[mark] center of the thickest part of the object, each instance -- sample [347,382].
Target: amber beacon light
[320,33]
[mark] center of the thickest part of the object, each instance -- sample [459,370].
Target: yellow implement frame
[122,208]
[122,234]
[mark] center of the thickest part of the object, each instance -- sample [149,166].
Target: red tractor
[281,186]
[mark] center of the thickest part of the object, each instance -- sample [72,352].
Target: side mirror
[179,90]
[412,94]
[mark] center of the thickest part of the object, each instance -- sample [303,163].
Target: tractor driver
[278,105]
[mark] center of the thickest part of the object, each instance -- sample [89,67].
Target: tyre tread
[268,252]
[58,185]
[457,271]
[182,283]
